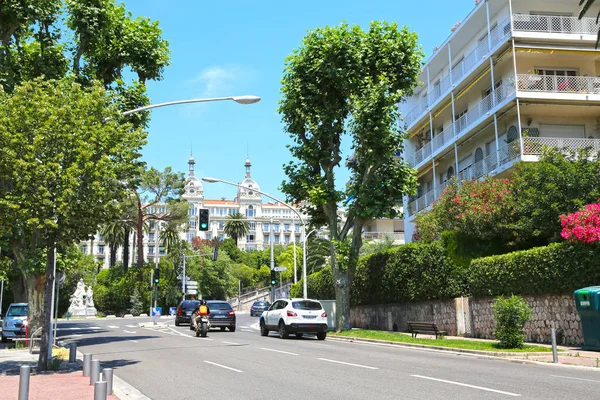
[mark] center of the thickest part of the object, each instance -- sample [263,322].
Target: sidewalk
[67,383]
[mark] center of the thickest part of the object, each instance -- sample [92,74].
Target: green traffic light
[203,225]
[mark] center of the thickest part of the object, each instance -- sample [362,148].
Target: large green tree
[63,165]
[236,226]
[345,83]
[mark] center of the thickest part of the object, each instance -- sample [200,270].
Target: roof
[220,202]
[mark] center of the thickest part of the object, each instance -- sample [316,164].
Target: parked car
[258,307]
[297,316]
[221,315]
[185,310]
[15,322]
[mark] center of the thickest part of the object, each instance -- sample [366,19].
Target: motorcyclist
[201,311]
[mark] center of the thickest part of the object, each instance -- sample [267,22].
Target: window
[17,311]
[286,227]
[151,237]
[252,226]
[221,225]
[249,238]
[208,236]
[276,227]
[306,305]
[250,212]
[297,227]
[150,249]
[221,237]
[152,225]
[265,227]
[101,249]
[512,135]
[192,223]
[192,210]
[84,248]
[449,173]
[162,250]
[286,239]
[461,123]
[190,236]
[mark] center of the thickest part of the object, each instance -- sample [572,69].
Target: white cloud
[217,81]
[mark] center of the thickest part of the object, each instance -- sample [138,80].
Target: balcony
[382,235]
[534,145]
[555,24]
[498,33]
[559,84]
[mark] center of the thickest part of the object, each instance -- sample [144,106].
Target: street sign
[191,283]
[172,311]
[280,269]
[192,291]
[156,311]
[187,278]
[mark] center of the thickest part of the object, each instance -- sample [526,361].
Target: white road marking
[177,332]
[126,331]
[75,329]
[223,366]
[113,327]
[134,341]
[466,385]
[578,379]
[279,351]
[95,327]
[233,343]
[131,326]
[347,363]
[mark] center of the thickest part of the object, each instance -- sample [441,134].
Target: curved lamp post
[304,287]
[247,99]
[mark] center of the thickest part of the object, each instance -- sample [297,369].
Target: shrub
[555,269]
[511,315]
[136,303]
[318,285]
[582,226]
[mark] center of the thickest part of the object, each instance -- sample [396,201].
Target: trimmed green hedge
[556,269]
[411,272]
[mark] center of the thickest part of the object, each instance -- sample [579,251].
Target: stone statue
[82,301]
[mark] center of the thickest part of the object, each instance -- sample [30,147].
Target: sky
[230,48]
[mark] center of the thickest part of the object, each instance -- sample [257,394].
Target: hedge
[556,269]
[411,272]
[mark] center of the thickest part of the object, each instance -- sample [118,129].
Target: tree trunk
[46,317]
[342,301]
[19,289]
[113,255]
[34,286]
[140,236]
[126,250]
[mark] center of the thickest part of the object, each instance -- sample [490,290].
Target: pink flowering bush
[582,226]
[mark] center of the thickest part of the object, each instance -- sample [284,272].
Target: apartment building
[512,77]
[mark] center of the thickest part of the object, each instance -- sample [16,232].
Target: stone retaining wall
[475,317]
[395,317]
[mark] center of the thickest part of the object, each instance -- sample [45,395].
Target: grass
[442,342]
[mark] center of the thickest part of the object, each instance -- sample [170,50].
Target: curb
[450,349]
[482,354]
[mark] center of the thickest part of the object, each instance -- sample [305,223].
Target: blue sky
[238,47]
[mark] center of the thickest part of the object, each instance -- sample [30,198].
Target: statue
[82,302]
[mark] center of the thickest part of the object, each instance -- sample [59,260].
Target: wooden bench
[428,328]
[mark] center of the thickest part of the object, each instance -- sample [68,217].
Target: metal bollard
[554,350]
[108,377]
[100,390]
[95,374]
[24,375]
[73,352]
[87,364]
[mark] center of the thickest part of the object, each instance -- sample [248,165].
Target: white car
[298,316]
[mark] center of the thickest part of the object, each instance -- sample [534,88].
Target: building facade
[512,78]
[270,221]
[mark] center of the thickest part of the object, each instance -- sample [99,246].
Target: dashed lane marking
[113,327]
[126,331]
[467,385]
[223,366]
[347,363]
[279,351]
[578,379]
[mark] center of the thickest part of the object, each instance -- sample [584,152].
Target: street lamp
[304,287]
[247,99]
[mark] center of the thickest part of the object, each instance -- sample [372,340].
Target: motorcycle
[202,326]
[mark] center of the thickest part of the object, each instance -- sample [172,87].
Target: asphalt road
[171,363]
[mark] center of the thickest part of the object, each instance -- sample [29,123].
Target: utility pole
[183,277]
[156,263]
[272,261]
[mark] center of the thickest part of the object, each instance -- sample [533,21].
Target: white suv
[298,316]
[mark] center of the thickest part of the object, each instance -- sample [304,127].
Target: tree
[169,236]
[585,6]
[236,226]
[62,168]
[343,82]
[158,198]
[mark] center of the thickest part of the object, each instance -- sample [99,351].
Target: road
[171,363]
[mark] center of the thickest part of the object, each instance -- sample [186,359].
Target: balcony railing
[421,154]
[559,84]
[534,145]
[382,235]
[484,107]
[460,70]
[555,24]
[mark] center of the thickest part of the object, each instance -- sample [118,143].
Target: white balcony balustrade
[555,24]
[420,155]
[416,112]
[535,145]
[559,84]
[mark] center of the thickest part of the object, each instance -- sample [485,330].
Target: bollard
[24,375]
[95,373]
[554,350]
[87,364]
[108,378]
[73,353]
[100,390]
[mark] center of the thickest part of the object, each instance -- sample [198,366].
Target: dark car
[185,310]
[258,307]
[221,315]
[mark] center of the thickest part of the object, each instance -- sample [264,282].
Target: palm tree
[114,234]
[170,235]
[236,226]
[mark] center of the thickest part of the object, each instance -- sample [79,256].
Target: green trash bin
[587,301]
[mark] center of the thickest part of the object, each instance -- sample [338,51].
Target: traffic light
[203,216]
[156,275]
[273,280]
